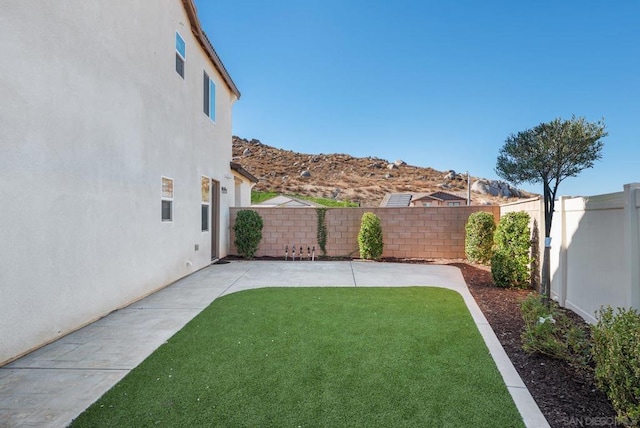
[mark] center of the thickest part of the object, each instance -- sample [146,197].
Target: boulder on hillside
[392,166]
[400,163]
[495,188]
[246,152]
[305,174]
[451,175]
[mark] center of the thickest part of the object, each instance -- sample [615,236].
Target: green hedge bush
[616,352]
[511,259]
[370,237]
[478,243]
[248,230]
[549,331]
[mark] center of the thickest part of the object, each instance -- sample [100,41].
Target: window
[209,98]
[426,204]
[453,204]
[167,199]
[181,54]
[205,190]
[205,218]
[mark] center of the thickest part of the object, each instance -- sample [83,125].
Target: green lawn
[317,357]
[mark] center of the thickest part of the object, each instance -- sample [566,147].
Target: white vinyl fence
[595,250]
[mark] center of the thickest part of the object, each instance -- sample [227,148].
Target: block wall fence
[416,232]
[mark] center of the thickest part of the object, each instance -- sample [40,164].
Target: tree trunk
[549,202]
[545,286]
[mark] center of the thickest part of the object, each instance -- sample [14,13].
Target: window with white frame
[167,199]
[209,97]
[453,204]
[181,54]
[206,202]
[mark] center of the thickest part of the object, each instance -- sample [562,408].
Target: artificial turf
[317,357]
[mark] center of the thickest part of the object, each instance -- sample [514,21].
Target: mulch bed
[566,396]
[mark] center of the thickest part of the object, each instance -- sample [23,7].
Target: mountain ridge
[365,180]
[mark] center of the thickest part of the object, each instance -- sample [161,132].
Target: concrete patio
[53,385]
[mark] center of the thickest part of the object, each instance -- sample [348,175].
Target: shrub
[510,261]
[478,243]
[370,237]
[322,232]
[248,229]
[616,351]
[549,331]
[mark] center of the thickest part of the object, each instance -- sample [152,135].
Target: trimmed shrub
[370,237]
[549,331]
[510,261]
[478,243]
[616,351]
[248,229]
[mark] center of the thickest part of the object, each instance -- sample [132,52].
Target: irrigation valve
[311,253]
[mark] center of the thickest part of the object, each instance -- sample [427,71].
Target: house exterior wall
[434,232]
[242,191]
[437,203]
[93,114]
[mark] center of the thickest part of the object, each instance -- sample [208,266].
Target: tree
[548,154]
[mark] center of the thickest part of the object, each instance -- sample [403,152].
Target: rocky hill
[364,180]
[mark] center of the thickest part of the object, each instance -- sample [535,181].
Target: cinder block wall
[415,232]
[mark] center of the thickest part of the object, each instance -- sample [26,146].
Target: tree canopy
[551,152]
[548,154]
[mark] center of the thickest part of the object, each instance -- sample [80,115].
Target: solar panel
[399,200]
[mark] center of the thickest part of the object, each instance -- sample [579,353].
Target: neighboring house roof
[406,199]
[282,201]
[440,196]
[200,35]
[246,174]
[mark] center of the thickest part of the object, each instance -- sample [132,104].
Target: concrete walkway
[53,385]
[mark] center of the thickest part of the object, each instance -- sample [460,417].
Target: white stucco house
[115,172]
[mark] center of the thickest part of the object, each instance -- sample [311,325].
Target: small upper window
[181,54]
[209,98]
[454,204]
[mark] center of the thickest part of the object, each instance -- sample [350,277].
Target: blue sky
[434,83]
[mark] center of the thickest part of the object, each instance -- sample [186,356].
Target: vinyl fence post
[632,241]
